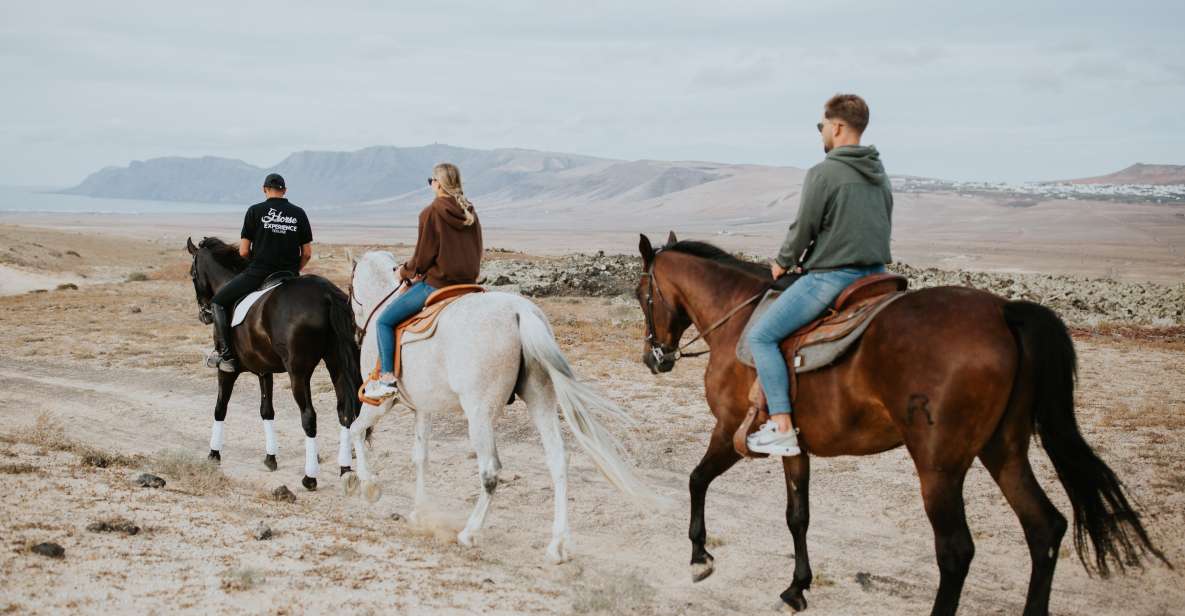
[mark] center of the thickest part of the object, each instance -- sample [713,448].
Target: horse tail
[580,404]
[344,350]
[1103,513]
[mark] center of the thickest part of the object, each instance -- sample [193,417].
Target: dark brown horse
[291,329]
[951,373]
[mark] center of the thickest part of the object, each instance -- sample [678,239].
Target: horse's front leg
[226,384]
[419,455]
[719,458]
[268,414]
[798,517]
[363,477]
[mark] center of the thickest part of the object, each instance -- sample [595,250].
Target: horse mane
[226,255]
[712,252]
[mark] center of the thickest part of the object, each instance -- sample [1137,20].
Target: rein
[362,330]
[657,349]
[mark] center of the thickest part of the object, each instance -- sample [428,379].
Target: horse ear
[671,239]
[189,246]
[350,257]
[646,249]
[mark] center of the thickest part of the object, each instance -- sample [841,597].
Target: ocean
[42,200]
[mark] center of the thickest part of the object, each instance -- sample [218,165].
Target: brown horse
[952,373]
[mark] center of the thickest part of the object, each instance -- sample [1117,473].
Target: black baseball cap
[274,180]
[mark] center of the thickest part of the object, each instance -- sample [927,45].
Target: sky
[996,91]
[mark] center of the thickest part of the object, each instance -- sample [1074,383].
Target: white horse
[486,347]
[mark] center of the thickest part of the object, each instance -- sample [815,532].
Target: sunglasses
[431,180]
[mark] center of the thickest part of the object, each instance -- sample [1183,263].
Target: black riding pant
[239,286]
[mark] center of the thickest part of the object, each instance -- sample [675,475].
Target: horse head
[665,322]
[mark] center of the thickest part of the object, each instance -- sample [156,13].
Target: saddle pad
[245,304]
[818,355]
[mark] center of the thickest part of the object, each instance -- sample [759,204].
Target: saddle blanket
[249,300]
[815,355]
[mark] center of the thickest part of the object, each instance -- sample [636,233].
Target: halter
[662,352]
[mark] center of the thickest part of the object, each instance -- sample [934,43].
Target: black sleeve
[250,225]
[306,230]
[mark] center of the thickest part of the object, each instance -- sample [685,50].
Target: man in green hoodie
[841,235]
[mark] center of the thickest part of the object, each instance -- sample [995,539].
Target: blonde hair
[449,178]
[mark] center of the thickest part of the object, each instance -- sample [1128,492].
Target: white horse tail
[579,404]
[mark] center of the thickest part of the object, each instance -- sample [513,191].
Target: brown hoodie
[448,251]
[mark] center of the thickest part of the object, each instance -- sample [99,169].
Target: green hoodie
[846,211]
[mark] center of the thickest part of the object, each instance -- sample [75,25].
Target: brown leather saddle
[421,322]
[855,306]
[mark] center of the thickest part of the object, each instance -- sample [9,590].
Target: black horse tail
[1103,513]
[344,350]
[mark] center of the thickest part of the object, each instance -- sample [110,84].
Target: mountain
[388,173]
[1140,173]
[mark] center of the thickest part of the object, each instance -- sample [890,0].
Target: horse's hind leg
[308,420]
[1008,462]
[942,493]
[798,518]
[346,399]
[541,401]
[226,384]
[268,414]
[481,436]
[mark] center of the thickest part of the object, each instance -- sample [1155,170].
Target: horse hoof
[269,462]
[215,457]
[350,484]
[700,571]
[557,552]
[372,491]
[465,539]
[794,599]
[344,470]
[309,483]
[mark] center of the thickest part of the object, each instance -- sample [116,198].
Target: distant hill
[1140,173]
[390,173]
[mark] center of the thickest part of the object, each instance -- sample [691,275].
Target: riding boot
[222,339]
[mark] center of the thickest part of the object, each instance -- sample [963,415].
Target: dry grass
[626,594]
[47,432]
[193,471]
[17,469]
[241,579]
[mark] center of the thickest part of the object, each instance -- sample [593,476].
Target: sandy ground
[116,365]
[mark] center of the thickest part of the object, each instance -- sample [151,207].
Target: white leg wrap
[310,458]
[217,439]
[269,435]
[344,449]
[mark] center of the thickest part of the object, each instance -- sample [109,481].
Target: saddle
[421,326]
[819,343]
[239,312]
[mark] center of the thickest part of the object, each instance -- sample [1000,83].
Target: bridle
[204,310]
[661,352]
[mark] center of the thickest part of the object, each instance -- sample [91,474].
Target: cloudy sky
[994,91]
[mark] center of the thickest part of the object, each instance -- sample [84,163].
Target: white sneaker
[379,390]
[768,440]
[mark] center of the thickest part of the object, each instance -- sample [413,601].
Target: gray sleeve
[810,220]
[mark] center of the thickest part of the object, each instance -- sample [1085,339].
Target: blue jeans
[403,307]
[802,303]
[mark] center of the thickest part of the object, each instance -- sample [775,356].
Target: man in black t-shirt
[276,237]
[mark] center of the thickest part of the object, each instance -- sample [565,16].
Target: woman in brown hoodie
[448,252]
